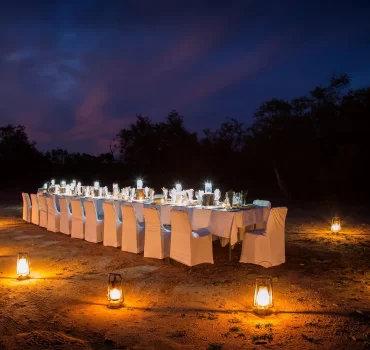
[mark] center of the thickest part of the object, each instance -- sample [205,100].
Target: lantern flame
[115,294]
[23,268]
[263,298]
[335,225]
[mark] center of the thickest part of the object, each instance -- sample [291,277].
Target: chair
[78,219]
[35,209]
[262,203]
[266,247]
[157,238]
[43,211]
[188,247]
[65,216]
[93,225]
[27,208]
[53,215]
[132,231]
[112,226]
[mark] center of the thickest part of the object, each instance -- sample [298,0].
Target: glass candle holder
[208,187]
[139,184]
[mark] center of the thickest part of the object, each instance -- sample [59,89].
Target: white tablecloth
[221,223]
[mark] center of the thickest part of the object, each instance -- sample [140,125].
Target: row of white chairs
[264,246]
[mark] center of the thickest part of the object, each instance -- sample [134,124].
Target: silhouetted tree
[313,146]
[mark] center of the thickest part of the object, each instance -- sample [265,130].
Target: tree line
[311,147]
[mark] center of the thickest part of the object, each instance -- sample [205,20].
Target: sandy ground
[321,294]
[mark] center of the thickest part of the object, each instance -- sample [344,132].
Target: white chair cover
[65,216]
[157,238]
[53,215]
[93,226]
[188,247]
[43,211]
[262,203]
[266,247]
[132,231]
[35,209]
[112,226]
[27,209]
[78,219]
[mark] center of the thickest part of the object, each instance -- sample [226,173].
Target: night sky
[75,73]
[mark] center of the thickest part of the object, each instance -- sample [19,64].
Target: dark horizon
[74,75]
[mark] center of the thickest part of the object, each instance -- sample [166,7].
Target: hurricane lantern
[335,224]
[96,185]
[139,184]
[115,293]
[208,187]
[178,187]
[52,182]
[23,266]
[263,296]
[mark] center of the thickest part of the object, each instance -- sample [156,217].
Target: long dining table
[220,222]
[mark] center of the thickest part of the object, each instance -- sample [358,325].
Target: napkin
[173,194]
[165,193]
[133,190]
[151,193]
[217,194]
[199,196]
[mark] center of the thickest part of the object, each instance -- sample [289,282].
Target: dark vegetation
[314,146]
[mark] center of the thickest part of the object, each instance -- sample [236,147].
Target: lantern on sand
[335,224]
[115,293]
[263,296]
[23,266]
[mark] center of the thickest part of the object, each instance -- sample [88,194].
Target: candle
[139,184]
